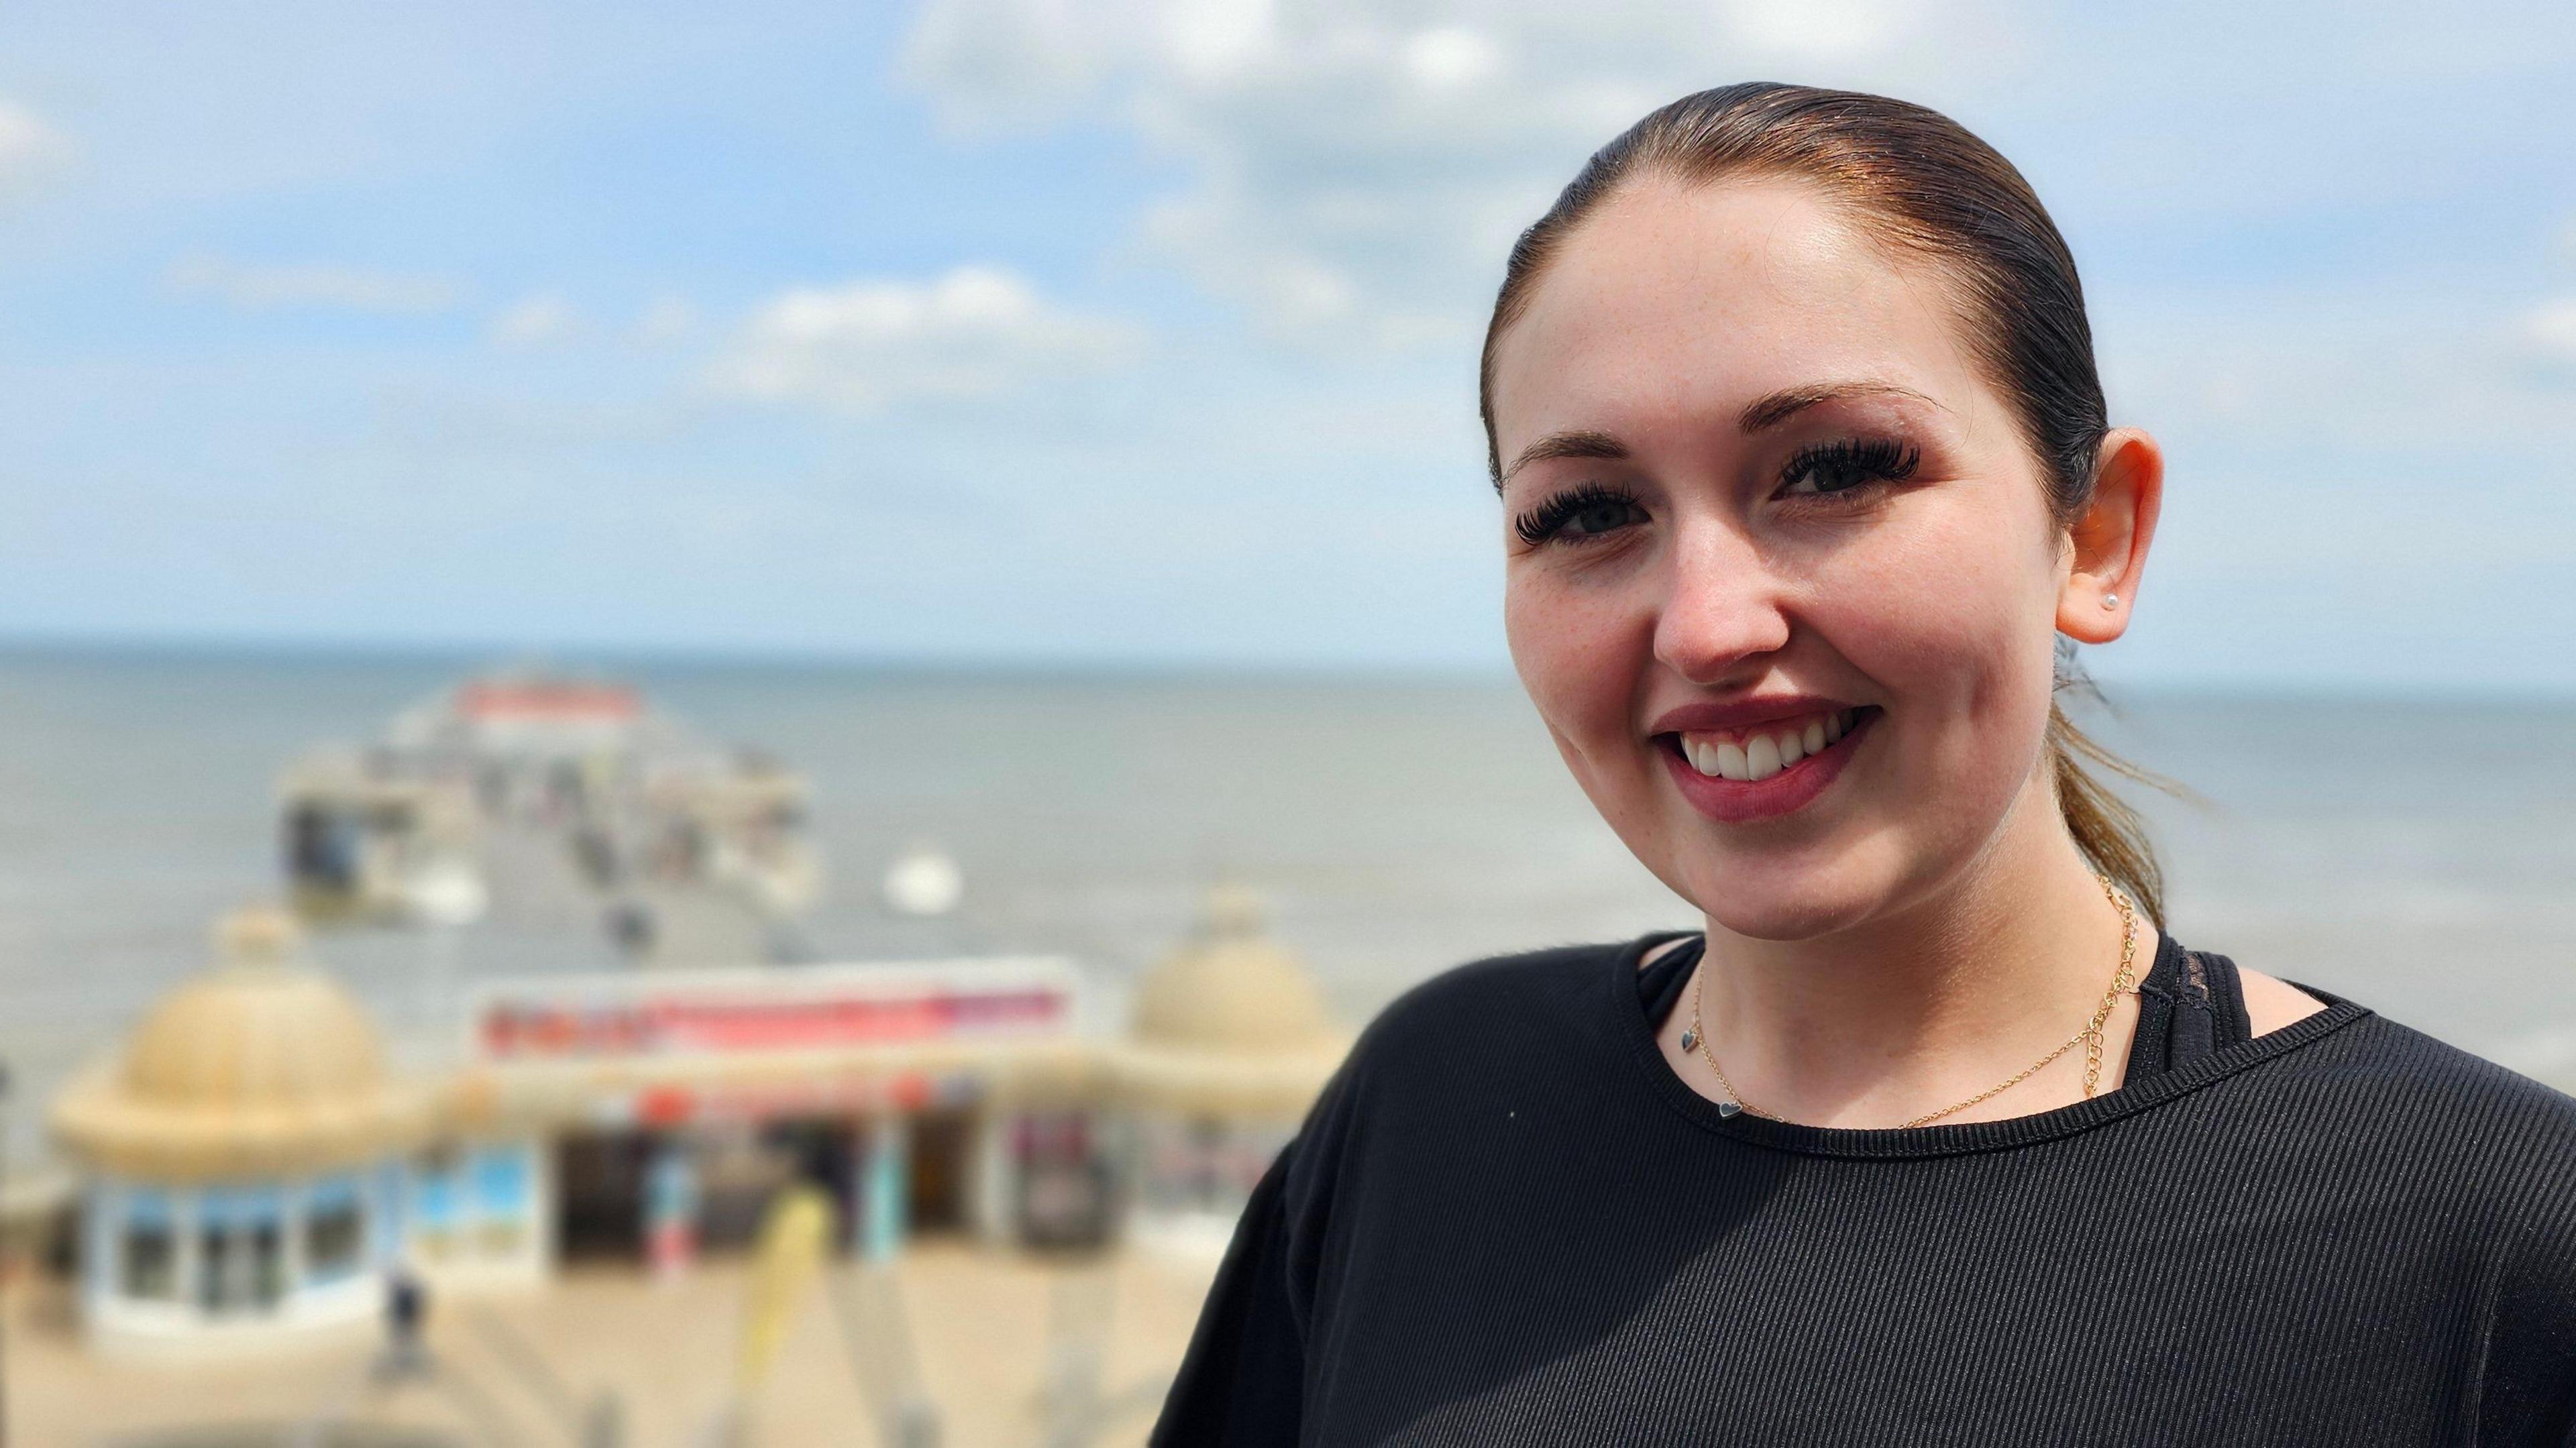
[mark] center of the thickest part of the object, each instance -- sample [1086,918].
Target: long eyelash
[1868,458]
[1543,522]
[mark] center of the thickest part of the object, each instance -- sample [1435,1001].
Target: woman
[1932,1134]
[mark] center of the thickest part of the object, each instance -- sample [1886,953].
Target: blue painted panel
[501,1177]
[389,1205]
[434,1203]
[260,1204]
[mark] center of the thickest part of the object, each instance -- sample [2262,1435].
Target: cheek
[1578,652]
[1958,630]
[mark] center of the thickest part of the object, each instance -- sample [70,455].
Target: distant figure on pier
[406,1353]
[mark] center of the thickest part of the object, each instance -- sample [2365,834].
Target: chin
[1772,897]
[1804,913]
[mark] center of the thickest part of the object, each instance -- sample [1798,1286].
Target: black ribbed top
[1506,1221]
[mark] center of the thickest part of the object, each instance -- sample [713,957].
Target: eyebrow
[1762,413]
[1779,407]
[1580,443]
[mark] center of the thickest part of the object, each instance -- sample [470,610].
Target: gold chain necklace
[2090,1038]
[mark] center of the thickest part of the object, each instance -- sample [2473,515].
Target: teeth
[1761,758]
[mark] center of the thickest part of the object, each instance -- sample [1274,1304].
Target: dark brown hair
[1920,182]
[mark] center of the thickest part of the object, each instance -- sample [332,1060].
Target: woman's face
[1782,577]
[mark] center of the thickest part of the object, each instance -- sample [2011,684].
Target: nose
[1722,604]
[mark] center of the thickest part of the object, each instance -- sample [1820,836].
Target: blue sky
[1143,330]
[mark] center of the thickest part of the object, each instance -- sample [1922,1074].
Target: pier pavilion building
[255,1165]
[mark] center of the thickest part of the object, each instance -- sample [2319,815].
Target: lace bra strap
[2192,1004]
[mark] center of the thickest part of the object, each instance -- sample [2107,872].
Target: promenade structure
[254,1166]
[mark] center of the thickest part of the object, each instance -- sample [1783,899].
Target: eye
[1580,515]
[1827,468]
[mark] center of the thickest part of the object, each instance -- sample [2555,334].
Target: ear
[2110,539]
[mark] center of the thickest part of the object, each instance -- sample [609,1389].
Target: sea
[2419,857]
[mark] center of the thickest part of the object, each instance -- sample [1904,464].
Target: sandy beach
[665,1349]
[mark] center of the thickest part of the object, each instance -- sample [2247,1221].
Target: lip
[1768,708]
[1735,801]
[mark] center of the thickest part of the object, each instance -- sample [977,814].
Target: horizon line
[475,656]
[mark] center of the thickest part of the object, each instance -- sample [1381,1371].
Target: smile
[1759,771]
[1763,750]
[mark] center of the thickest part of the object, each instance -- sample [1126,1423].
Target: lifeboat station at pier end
[256,1164]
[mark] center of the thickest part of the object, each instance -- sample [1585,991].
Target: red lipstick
[1736,801]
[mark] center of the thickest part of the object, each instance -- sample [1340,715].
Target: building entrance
[600,1182]
[941,1144]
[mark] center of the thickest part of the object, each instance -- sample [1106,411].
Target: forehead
[1674,305]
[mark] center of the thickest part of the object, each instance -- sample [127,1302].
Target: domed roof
[260,1064]
[1232,990]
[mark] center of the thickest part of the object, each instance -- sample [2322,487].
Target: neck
[1933,1003]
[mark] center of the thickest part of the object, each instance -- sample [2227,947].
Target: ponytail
[2108,829]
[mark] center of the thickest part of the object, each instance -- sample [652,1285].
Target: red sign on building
[766,1009]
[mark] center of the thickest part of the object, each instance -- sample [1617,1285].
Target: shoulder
[1413,1077]
[2416,1151]
[1452,1034]
[1505,984]
[2358,1070]
[2385,1130]
[2271,1003]
[1528,1005]
[2377,1057]
[2494,1147]
[2405,1099]
[2376,1052]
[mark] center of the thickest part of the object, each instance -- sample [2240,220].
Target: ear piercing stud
[2110,600]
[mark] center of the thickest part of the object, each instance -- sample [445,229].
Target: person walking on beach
[1932,1133]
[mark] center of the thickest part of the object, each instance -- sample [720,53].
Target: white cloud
[1000,65]
[1360,168]
[538,320]
[974,331]
[2550,330]
[549,319]
[271,288]
[1823,29]
[1452,57]
[28,147]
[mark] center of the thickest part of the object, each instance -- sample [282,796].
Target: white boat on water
[536,791]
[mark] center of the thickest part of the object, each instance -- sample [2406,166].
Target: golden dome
[261,1064]
[1231,989]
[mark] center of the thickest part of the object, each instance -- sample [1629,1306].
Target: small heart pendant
[1730,1108]
[1690,1038]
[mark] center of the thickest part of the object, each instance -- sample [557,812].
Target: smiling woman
[1809,494]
